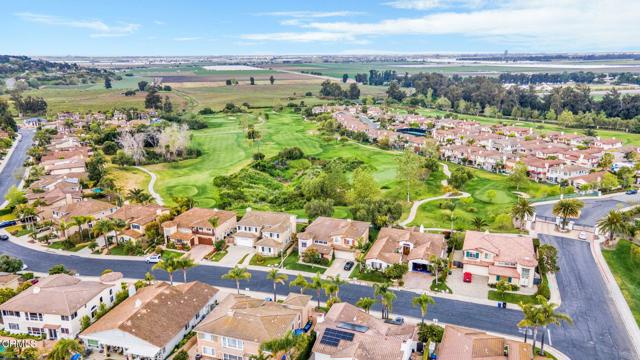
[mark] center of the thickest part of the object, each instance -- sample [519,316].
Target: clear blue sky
[188,27]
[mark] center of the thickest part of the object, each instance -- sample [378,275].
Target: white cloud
[311,14]
[187,38]
[433,4]
[299,36]
[97,27]
[159,22]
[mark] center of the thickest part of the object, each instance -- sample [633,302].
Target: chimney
[68,199]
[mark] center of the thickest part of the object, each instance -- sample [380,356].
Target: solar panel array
[332,337]
[353,327]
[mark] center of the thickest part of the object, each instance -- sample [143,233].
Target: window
[64,331]
[64,318]
[206,336]
[74,315]
[13,326]
[208,350]
[232,343]
[11,313]
[34,331]
[472,254]
[135,226]
[34,316]
[303,244]
[231,357]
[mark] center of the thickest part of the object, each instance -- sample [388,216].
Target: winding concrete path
[153,193]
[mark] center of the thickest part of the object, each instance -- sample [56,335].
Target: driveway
[477,288]
[595,209]
[235,254]
[415,280]
[337,268]
[198,252]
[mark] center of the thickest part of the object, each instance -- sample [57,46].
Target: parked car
[348,265]
[582,235]
[397,321]
[7,223]
[24,267]
[467,277]
[4,237]
[153,258]
[631,192]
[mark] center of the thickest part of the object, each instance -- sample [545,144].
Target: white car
[153,258]
[582,235]
[24,267]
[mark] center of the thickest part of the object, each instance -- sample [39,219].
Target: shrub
[181,355]
[430,332]
[543,288]
[503,222]
[219,245]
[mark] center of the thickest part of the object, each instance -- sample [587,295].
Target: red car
[467,277]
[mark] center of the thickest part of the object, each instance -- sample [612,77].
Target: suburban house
[500,257]
[54,306]
[196,226]
[463,343]
[64,166]
[331,237]
[405,246]
[96,209]
[593,179]
[348,333]
[55,190]
[151,322]
[269,232]
[607,144]
[566,172]
[235,329]
[137,217]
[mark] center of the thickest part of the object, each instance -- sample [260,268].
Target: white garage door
[241,241]
[347,255]
[476,270]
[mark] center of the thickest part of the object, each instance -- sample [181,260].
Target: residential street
[13,171]
[597,333]
[595,209]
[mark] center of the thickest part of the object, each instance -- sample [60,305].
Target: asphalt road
[597,333]
[14,169]
[595,209]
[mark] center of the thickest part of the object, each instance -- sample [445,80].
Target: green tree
[319,207]
[566,208]
[459,176]
[183,264]
[58,269]
[613,224]
[550,115]
[300,282]
[79,221]
[152,100]
[478,223]
[366,303]
[549,316]
[521,209]
[237,274]
[530,320]
[64,348]
[364,186]
[409,169]
[422,301]
[96,166]
[519,175]
[317,284]
[272,79]
[380,290]
[606,161]
[142,85]
[14,197]
[139,196]
[10,264]
[442,103]
[547,259]
[491,195]
[609,182]
[566,118]
[394,92]
[288,344]
[276,278]
[107,83]
[167,265]
[502,287]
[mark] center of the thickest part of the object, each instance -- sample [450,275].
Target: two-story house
[54,306]
[137,217]
[464,343]
[331,236]
[96,209]
[500,257]
[269,232]
[150,323]
[398,246]
[198,226]
[237,327]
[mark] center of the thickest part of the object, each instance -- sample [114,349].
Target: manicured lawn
[626,273]
[266,261]
[431,214]
[60,245]
[512,298]
[373,276]
[218,255]
[117,250]
[167,254]
[291,263]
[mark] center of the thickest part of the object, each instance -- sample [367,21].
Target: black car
[348,265]
[4,237]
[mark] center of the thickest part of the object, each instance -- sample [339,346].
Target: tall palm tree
[337,282]
[300,282]
[138,195]
[261,355]
[168,265]
[277,278]
[521,209]
[237,273]
[531,320]
[64,348]
[613,224]
[185,263]
[87,220]
[286,344]
[79,221]
[549,316]
[366,303]
[379,290]
[567,208]
[330,289]
[63,226]
[26,213]
[101,228]
[317,284]
[437,264]
[387,302]
[478,223]
[423,302]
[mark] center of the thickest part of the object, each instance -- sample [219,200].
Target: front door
[53,334]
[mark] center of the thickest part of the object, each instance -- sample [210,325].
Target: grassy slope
[626,274]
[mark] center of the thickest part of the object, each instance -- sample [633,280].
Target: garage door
[240,241]
[347,255]
[205,240]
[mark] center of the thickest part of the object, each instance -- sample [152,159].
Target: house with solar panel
[348,333]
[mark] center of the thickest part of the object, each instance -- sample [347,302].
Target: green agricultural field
[626,273]
[226,150]
[484,183]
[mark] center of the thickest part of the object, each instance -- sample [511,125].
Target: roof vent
[137,304]
[36,289]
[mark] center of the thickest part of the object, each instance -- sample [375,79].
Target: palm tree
[79,221]
[387,301]
[300,282]
[379,290]
[138,195]
[423,302]
[184,263]
[478,223]
[317,284]
[64,226]
[26,213]
[330,289]
[102,227]
[337,282]
[64,348]
[549,316]
[277,278]
[237,273]
[286,344]
[366,303]
[437,264]
[86,220]
[168,265]
[521,209]
[567,208]
[214,221]
[614,224]
[531,320]
[261,355]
